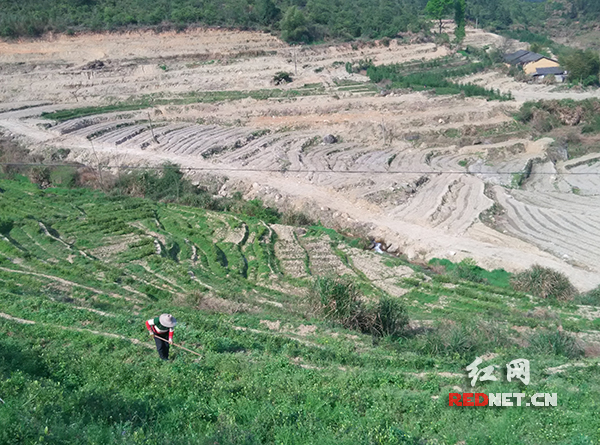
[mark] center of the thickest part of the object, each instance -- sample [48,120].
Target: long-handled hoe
[179,346]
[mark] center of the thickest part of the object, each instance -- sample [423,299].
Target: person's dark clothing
[154,327]
[162,346]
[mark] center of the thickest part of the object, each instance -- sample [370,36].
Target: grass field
[80,272]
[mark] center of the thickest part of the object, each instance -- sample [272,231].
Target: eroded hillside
[432,175]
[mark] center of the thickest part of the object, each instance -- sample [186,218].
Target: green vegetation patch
[191,98]
[545,115]
[435,76]
[468,270]
[87,268]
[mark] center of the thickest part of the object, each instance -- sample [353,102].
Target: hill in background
[301,21]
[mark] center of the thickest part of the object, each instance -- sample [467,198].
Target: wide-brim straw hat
[167,320]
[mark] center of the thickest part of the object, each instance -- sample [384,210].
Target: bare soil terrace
[415,169]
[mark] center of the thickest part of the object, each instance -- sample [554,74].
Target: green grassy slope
[81,271]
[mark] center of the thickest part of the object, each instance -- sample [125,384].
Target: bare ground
[398,171]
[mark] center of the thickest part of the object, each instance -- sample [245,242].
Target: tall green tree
[583,66]
[459,19]
[294,28]
[438,10]
[267,12]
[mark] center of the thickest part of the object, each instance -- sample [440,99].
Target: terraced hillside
[144,251]
[435,188]
[80,271]
[433,175]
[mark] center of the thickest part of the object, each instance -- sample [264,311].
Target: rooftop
[549,70]
[523,56]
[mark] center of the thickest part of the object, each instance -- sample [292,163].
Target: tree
[459,19]
[267,12]
[582,65]
[439,10]
[536,47]
[293,27]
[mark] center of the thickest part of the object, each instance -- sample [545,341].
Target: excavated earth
[432,176]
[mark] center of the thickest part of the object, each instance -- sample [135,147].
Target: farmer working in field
[160,327]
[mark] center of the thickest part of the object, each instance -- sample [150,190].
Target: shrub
[468,270]
[460,340]
[544,282]
[257,209]
[292,218]
[60,154]
[223,344]
[545,115]
[340,301]
[40,176]
[449,339]
[525,113]
[64,176]
[282,77]
[590,80]
[591,298]
[358,66]
[572,138]
[170,185]
[203,200]
[542,121]
[464,338]
[391,317]
[362,243]
[555,343]
[583,66]
[6,225]
[593,126]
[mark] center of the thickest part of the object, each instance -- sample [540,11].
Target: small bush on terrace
[292,218]
[467,269]
[340,301]
[591,298]
[391,317]
[555,343]
[6,225]
[451,338]
[282,77]
[544,283]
